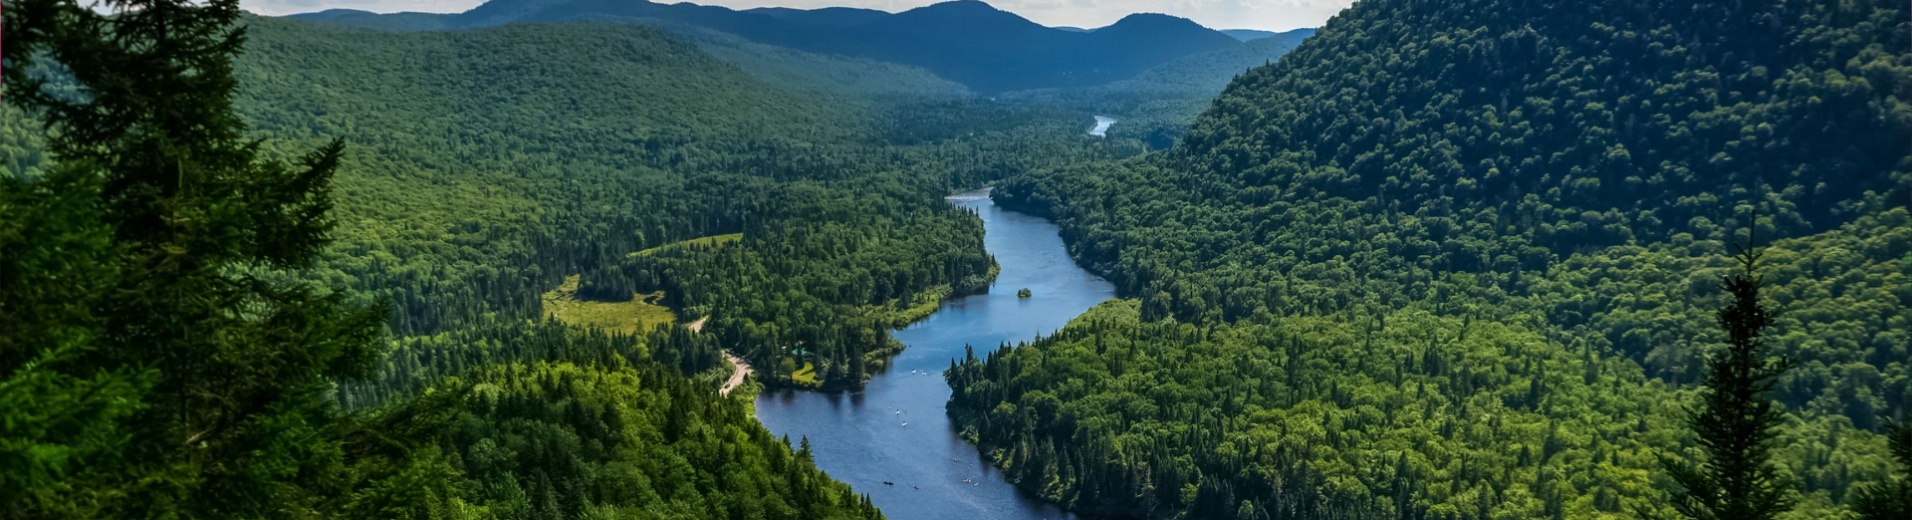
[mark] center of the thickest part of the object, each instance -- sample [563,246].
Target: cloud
[1219,14]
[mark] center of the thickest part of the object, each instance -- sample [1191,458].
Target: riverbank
[896,429]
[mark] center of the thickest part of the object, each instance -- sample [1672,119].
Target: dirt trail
[736,377]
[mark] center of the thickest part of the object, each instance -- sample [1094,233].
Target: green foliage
[160,357]
[21,144]
[1160,103]
[559,440]
[812,275]
[65,417]
[1891,499]
[1737,420]
[842,229]
[1403,414]
[632,314]
[483,169]
[1567,170]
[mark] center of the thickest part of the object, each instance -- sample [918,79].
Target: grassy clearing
[806,375]
[709,241]
[640,313]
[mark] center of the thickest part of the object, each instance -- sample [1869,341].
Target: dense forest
[473,173]
[965,41]
[1549,191]
[1466,260]
[1160,103]
[470,199]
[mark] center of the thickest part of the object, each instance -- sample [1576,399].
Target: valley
[895,429]
[1462,260]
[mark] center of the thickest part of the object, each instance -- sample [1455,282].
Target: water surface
[895,429]
[1102,124]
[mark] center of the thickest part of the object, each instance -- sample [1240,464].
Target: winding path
[737,376]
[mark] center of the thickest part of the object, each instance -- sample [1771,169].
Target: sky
[1276,15]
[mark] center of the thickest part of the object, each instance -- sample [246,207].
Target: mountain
[481,168]
[390,22]
[1463,259]
[331,14]
[966,41]
[837,16]
[1157,105]
[487,166]
[1248,34]
[1157,39]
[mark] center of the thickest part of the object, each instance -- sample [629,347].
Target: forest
[1474,259]
[475,200]
[421,194]
[1550,191]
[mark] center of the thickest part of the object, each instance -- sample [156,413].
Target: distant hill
[1157,105]
[839,16]
[966,41]
[1248,35]
[331,14]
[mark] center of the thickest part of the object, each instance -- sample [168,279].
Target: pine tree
[213,357]
[1736,419]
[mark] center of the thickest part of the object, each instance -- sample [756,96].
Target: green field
[640,313]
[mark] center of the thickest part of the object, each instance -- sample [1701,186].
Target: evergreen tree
[185,309]
[1736,418]
[1891,500]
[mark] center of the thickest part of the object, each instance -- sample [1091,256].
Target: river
[1102,124]
[895,429]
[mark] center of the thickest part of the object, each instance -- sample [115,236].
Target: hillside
[394,363]
[1548,189]
[483,173]
[484,168]
[965,41]
[1158,104]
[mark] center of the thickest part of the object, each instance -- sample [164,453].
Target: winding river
[895,430]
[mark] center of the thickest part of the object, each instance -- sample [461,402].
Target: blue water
[1102,124]
[862,438]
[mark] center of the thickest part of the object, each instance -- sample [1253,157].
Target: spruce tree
[1736,418]
[185,373]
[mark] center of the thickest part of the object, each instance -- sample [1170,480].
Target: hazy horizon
[1269,15]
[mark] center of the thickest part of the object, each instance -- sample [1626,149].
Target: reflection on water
[1102,124]
[895,430]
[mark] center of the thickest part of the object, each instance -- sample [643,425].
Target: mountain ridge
[966,41]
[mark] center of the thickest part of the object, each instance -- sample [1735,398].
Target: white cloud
[1220,14]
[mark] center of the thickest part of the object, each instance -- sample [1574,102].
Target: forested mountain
[481,169]
[1159,104]
[1249,35]
[840,16]
[489,172]
[1548,189]
[1443,260]
[965,41]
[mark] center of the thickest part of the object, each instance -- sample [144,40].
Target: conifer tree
[1736,419]
[201,362]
